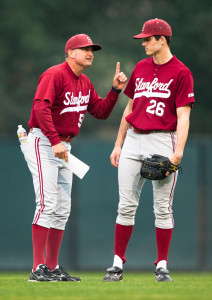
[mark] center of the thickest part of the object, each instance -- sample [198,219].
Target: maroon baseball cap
[80,41]
[154,27]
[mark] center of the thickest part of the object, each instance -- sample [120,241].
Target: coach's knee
[59,220]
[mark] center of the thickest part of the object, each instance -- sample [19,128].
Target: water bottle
[22,135]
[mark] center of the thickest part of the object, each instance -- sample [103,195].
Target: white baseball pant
[52,181]
[137,147]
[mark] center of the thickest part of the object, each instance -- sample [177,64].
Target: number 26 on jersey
[156,108]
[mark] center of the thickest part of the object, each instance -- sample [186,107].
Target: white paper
[78,167]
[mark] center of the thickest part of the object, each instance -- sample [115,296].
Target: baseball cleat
[162,274]
[114,274]
[64,276]
[42,273]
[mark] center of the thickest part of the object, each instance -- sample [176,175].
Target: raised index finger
[117,68]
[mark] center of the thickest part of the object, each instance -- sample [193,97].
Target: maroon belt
[65,139]
[136,130]
[62,138]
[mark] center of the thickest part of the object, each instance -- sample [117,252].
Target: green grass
[195,286]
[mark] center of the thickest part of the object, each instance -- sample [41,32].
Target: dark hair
[168,39]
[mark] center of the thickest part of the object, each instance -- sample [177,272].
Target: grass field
[195,286]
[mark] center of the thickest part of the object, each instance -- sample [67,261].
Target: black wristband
[116,90]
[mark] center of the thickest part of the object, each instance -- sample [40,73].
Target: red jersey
[68,97]
[157,90]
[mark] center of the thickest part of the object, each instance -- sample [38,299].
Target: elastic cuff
[116,90]
[113,95]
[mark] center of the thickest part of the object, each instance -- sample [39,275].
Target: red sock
[39,239]
[53,247]
[122,237]
[163,238]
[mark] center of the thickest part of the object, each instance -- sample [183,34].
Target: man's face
[151,45]
[83,56]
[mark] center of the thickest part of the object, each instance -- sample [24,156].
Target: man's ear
[163,39]
[71,53]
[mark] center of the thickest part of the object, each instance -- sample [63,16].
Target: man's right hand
[120,79]
[60,151]
[115,155]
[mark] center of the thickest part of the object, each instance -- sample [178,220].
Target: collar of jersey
[70,71]
[168,62]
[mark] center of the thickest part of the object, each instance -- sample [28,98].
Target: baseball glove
[155,167]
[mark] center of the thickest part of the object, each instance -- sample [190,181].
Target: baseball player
[62,98]
[155,121]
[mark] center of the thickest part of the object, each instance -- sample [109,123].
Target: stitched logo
[89,40]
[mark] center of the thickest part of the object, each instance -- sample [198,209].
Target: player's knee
[164,219]
[127,209]
[126,214]
[162,207]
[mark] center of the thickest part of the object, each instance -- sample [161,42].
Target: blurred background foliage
[33,34]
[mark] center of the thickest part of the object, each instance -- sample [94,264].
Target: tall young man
[155,121]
